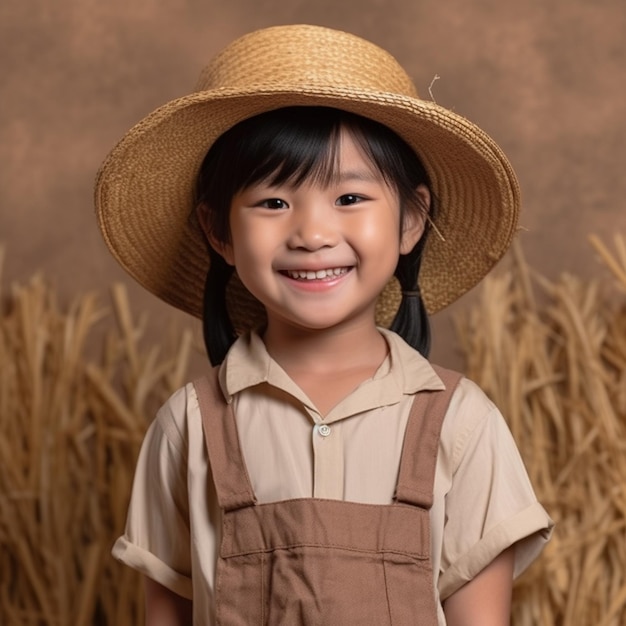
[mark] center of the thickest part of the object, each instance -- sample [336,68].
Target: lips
[316,274]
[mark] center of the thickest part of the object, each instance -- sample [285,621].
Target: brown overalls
[311,561]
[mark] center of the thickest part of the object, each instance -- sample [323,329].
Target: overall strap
[230,474]
[416,478]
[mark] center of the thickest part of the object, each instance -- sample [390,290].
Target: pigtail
[411,320]
[218,331]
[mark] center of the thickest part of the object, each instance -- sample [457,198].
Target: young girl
[324,472]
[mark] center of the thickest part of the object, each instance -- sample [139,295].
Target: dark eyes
[349,199]
[274,203]
[278,204]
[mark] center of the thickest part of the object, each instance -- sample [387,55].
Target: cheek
[381,231]
[239,236]
[252,244]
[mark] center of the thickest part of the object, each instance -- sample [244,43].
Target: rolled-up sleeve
[490,505]
[156,541]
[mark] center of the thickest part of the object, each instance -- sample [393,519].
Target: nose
[314,227]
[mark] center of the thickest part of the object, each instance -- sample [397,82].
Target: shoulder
[470,402]
[176,417]
[472,419]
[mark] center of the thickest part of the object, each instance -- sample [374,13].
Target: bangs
[291,148]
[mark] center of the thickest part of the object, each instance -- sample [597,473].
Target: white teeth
[317,275]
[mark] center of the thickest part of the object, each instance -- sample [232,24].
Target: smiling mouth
[317,274]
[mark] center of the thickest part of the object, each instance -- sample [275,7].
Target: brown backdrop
[545,78]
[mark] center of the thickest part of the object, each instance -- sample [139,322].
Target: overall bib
[317,562]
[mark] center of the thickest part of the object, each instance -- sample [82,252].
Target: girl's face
[317,256]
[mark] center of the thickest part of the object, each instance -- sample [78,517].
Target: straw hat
[145,189]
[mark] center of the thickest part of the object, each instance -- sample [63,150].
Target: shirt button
[324,430]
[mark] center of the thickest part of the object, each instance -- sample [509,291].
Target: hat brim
[145,188]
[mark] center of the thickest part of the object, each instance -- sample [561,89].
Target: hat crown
[300,57]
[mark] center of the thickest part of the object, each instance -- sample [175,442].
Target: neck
[326,350]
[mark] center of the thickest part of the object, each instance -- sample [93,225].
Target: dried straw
[70,430]
[552,355]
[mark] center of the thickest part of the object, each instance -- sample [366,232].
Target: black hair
[294,145]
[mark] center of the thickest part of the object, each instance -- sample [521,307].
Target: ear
[224,249]
[415,221]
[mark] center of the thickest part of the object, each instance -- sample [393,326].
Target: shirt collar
[404,372]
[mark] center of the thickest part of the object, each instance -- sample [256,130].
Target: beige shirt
[483,501]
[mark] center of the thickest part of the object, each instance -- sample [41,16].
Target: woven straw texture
[145,188]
